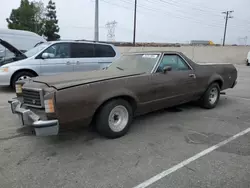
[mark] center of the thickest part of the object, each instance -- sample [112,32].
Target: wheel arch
[218,79]
[23,70]
[130,99]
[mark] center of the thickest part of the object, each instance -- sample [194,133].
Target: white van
[55,57]
[22,40]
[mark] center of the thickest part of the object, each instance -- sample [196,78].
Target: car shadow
[7,89]
[89,134]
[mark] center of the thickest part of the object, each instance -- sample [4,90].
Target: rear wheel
[21,76]
[248,63]
[114,118]
[211,96]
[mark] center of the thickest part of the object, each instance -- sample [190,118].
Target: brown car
[135,84]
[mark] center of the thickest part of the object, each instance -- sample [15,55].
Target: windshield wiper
[120,68]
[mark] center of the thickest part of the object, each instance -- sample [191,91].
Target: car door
[56,59]
[176,86]
[83,57]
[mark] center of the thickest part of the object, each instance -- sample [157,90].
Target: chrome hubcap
[213,95]
[23,77]
[118,118]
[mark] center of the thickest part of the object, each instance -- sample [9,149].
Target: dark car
[135,84]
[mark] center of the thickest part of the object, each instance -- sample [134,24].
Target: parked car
[55,57]
[134,84]
[248,59]
[22,40]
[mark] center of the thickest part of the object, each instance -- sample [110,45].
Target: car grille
[32,97]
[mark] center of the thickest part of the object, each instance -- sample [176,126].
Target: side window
[80,50]
[58,51]
[104,51]
[174,61]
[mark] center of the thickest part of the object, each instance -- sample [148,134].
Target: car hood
[66,80]
[11,48]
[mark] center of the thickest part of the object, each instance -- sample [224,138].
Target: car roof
[79,41]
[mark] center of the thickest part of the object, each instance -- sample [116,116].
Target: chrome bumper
[29,118]
[234,84]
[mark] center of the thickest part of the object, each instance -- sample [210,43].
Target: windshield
[138,62]
[36,49]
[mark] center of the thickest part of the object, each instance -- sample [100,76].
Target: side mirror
[45,55]
[166,69]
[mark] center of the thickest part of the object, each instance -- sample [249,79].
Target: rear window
[80,50]
[104,51]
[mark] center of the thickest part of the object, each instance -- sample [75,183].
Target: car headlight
[19,89]
[49,106]
[4,69]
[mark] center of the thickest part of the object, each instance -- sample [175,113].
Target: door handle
[68,63]
[192,75]
[77,62]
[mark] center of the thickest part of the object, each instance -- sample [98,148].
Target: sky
[178,21]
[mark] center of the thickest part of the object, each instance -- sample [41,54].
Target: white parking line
[187,161]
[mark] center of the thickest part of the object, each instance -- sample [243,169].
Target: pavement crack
[12,137]
[138,160]
[190,169]
[21,161]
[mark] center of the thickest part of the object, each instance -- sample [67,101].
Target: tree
[27,17]
[39,17]
[51,27]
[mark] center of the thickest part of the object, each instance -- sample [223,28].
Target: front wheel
[114,118]
[21,76]
[211,96]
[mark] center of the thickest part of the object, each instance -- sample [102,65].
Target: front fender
[114,94]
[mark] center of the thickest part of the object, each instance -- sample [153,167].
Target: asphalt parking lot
[158,142]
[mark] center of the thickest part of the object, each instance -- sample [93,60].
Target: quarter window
[104,51]
[174,61]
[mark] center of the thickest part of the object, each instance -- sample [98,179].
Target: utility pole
[228,15]
[96,20]
[135,11]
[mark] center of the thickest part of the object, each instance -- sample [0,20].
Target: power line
[157,10]
[173,3]
[165,12]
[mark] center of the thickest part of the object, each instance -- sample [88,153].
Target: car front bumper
[29,118]
[5,78]
[234,84]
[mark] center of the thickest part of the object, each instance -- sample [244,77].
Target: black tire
[19,75]
[248,64]
[205,101]
[103,126]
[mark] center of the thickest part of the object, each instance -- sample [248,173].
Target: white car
[248,59]
[55,57]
